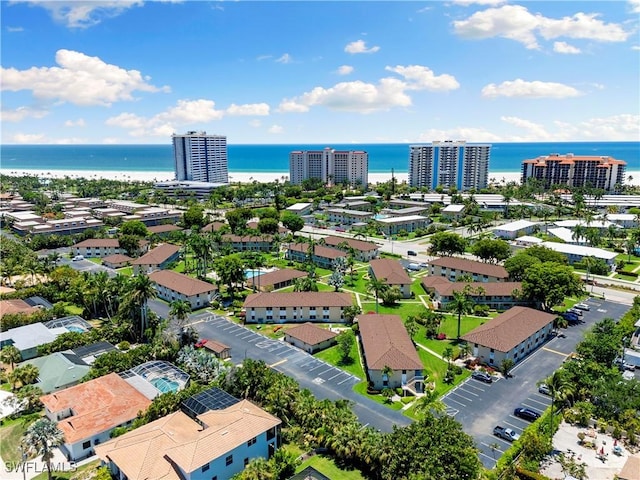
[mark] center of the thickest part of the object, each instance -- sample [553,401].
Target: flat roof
[515,226]
[580,250]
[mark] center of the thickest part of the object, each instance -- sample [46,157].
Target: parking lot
[479,406]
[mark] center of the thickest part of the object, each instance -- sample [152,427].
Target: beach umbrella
[615,443]
[601,450]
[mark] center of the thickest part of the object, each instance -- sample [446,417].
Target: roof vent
[225,432]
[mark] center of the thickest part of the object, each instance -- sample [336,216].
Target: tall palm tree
[142,290]
[42,437]
[461,304]
[377,287]
[559,389]
[180,310]
[589,262]
[430,402]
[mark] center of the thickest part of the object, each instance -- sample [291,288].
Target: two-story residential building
[577,253]
[513,230]
[496,295]
[391,273]
[298,307]
[156,259]
[409,223]
[217,445]
[88,412]
[389,354]
[275,280]
[98,247]
[345,216]
[177,286]
[322,256]
[253,243]
[513,334]
[455,267]
[364,251]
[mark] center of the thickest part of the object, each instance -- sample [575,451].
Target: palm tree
[559,389]
[180,310]
[10,355]
[387,372]
[460,304]
[589,262]
[377,287]
[42,437]
[26,374]
[143,289]
[430,402]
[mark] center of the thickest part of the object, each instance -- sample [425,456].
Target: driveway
[324,380]
[479,406]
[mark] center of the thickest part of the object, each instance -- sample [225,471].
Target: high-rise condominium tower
[330,166]
[200,157]
[449,164]
[575,171]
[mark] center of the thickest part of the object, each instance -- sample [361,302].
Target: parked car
[77,258]
[582,306]
[412,253]
[570,317]
[576,311]
[506,433]
[200,343]
[544,389]
[482,376]
[526,414]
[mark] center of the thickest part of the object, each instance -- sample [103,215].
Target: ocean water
[505,157]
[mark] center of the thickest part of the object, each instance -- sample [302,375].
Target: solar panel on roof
[93,349]
[211,399]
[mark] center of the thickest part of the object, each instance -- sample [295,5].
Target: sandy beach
[235,177]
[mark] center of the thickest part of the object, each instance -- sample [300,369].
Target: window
[246,462]
[205,467]
[86,444]
[229,460]
[271,433]
[252,441]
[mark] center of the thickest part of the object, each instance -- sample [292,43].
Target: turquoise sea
[505,157]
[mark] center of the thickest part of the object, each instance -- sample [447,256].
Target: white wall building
[576,253]
[449,164]
[515,229]
[330,166]
[200,157]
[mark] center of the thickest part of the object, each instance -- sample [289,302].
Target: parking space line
[336,375]
[547,349]
[278,363]
[454,400]
[462,396]
[327,370]
[512,424]
[317,366]
[473,386]
[347,379]
[534,401]
[469,392]
[489,457]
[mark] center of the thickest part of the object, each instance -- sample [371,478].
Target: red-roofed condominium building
[218,444]
[453,268]
[575,170]
[387,345]
[391,273]
[513,334]
[87,413]
[322,256]
[498,295]
[157,259]
[176,286]
[282,307]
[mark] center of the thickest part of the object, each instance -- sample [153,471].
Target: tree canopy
[548,284]
[447,243]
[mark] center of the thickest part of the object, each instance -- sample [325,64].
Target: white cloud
[275,129]
[79,79]
[515,22]
[255,123]
[634,5]
[360,46]
[285,58]
[28,138]
[635,47]
[21,113]
[478,2]
[471,134]
[362,97]
[563,47]
[534,130]
[15,29]
[75,123]
[423,78]
[84,14]
[524,89]
[248,109]
[623,127]
[344,70]
[264,57]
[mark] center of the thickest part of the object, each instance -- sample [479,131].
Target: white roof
[565,235]
[593,224]
[25,216]
[529,239]
[580,250]
[29,336]
[408,218]
[453,208]
[515,226]
[621,217]
[299,206]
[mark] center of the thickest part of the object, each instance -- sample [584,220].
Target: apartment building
[329,165]
[449,164]
[575,170]
[298,307]
[200,157]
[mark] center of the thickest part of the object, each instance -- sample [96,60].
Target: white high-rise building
[200,157]
[330,166]
[449,164]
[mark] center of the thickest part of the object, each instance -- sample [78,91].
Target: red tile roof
[445,287]
[386,342]
[470,266]
[390,271]
[298,299]
[158,255]
[277,276]
[99,242]
[117,258]
[181,283]
[310,334]
[359,245]
[164,228]
[509,329]
[318,251]
[16,306]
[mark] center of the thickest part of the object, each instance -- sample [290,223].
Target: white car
[582,306]
[77,258]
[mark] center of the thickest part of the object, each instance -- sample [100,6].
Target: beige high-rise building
[329,165]
[575,170]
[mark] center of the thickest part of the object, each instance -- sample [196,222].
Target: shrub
[442,336]
[124,346]
[481,310]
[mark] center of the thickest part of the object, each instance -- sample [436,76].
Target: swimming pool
[380,216]
[252,273]
[75,328]
[165,384]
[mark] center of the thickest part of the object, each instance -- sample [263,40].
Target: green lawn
[361,388]
[128,271]
[332,356]
[403,309]
[436,370]
[10,436]
[85,471]
[327,467]
[71,309]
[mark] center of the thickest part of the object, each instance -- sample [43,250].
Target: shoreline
[235,177]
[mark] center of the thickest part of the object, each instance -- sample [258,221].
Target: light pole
[23,454]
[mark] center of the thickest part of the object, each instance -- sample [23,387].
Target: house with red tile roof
[275,280]
[455,267]
[386,344]
[364,251]
[513,334]
[117,260]
[322,256]
[310,337]
[156,259]
[392,273]
[497,295]
[177,286]
[88,412]
[298,307]
[217,444]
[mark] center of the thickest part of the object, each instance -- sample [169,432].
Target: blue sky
[121,71]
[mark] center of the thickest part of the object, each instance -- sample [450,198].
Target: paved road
[479,406]
[324,380]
